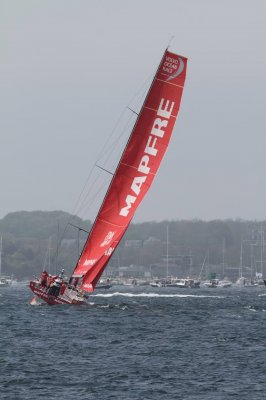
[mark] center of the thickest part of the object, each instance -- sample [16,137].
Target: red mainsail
[137,168]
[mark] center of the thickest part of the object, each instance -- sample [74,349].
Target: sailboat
[131,181]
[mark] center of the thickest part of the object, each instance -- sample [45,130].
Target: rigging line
[133,111]
[145,83]
[84,207]
[60,239]
[124,151]
[95,196]
[76,206]
[124,131]
[82,191]
[59,242]
[106,170]
[170,41]
[123,112]
[99,156]
[127,129]
[107,142]
[111,135]
[79,201]
[86,195]
[79,228]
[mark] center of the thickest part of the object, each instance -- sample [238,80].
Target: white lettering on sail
[109,251]
[158,130]
[88,262]
[137,183]
[129,200]
[157,127]
[107,239]
[165,112]
[88,286]
[150,147]
[143,166]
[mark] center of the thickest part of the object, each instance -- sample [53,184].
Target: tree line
[38,239]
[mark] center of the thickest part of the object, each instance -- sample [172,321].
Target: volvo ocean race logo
[173,67]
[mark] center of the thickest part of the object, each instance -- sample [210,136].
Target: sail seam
[152,109]
[110,223]
[136,168]
[170,83]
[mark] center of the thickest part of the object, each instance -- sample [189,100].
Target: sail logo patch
[173,67]
[88,262]
[107,239]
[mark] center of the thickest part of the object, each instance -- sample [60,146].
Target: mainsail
[136,169]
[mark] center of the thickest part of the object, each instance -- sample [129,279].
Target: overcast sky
[68,69]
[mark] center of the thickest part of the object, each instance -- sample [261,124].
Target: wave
[155,295]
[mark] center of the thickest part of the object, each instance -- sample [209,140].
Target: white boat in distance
[5,281]
[216,283]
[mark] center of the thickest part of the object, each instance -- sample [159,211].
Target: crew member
[43,278]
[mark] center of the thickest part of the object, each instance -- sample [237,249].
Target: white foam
[154,295]
[35,302]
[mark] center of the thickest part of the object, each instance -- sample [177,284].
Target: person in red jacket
[43,278]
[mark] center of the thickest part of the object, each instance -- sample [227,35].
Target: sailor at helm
[62,274]
[55,287]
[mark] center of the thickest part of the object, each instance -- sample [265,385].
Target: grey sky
[68,69]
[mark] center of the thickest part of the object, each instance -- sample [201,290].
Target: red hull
[70,296]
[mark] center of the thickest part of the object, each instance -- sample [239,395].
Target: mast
[203,264]
[251,261]
[223,257]
[167,252]
[261,249]
[241,260]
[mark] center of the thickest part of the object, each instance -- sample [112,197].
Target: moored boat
[179,283]
[156,284]
[224,283]
[5,281]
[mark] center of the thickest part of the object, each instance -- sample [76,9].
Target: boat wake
[35,302]
[154,295]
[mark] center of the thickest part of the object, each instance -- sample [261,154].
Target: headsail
[137,168]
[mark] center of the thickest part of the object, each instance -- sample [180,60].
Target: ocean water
[135,343]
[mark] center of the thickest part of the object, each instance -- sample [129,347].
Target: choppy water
[135,344]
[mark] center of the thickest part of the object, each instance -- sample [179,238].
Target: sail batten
[137,168]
